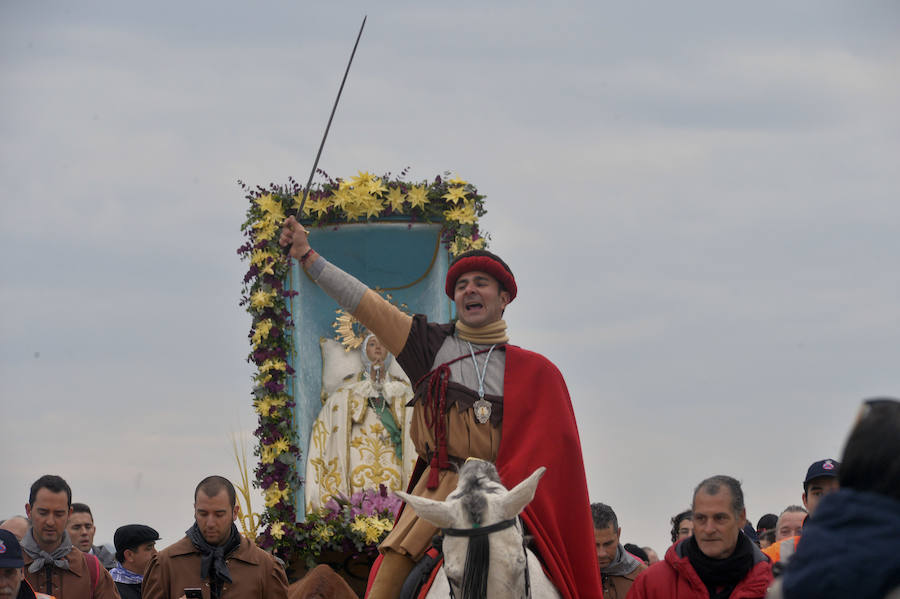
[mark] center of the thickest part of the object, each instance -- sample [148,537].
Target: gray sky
[699,202]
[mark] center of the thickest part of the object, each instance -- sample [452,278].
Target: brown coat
[255,573]
[74,583]
[616,587]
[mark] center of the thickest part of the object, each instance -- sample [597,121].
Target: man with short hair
[821,480]
[213,555]
[718,561]
[54,566]
[790,522]
[652,556]
[18,525]
[682,526]
[618,567]
[12,572]
[82,530]
[475,396]
[135,547]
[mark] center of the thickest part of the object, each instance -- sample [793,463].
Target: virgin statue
[360,439]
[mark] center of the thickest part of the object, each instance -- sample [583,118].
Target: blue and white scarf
[120,574]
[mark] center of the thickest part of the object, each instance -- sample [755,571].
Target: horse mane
[473,477]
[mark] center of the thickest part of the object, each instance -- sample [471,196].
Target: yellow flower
[258,257]
[375,187]
[354,209]
[320,206]
[262,299]
[272,207]
[373,206]
[281,445]
[307,207]
[272,364]
[264,406]
[395,200]
[418,196]
[342,197]
[277,530]
[268,268]
[464,214]
[462,244]
[266,228]
[323,532]
[274,494]
[456,180]
[362,179]
[262,331]
[266,455]
[455,194]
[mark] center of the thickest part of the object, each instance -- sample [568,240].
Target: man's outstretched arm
[389,324]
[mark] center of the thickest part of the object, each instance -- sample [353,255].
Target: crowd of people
[842,541]
[477,396]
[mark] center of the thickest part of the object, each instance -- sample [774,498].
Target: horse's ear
[436,512]
[521,495]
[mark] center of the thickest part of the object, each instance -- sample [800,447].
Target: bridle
[483,531]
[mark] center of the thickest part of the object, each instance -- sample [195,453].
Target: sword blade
[330,118]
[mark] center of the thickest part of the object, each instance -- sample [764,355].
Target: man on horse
[471,386]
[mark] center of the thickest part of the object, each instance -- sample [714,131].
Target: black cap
[10,551]
[132,535]
[767,522]
[822,468]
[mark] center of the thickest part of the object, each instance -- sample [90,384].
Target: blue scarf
[125,576]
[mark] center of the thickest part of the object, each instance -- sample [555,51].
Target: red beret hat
[484,261]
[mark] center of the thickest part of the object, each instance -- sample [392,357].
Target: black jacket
[129,591]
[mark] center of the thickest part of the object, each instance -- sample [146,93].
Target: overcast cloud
[699,202]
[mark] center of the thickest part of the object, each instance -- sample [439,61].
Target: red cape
[539,430]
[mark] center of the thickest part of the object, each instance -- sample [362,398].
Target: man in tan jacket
[618,568]
[52,564]
[213,557]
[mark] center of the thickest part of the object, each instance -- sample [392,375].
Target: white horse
[484,546]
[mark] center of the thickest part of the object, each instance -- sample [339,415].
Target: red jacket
[675,578]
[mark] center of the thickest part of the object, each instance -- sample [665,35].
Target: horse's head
[479,520]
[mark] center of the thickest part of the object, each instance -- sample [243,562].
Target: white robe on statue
[350,449]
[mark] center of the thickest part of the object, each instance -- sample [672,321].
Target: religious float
[332,442]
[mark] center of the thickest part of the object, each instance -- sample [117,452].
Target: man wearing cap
[821,479]
[53,565]
[12,572]
[135,546]
[471,386]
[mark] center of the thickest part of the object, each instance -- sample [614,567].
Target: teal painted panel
[384,255]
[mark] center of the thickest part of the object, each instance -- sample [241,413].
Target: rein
[480,531]
[483,531]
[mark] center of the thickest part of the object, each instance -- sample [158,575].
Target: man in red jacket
[718,561]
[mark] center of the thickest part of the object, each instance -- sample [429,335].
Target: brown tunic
[428,346]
